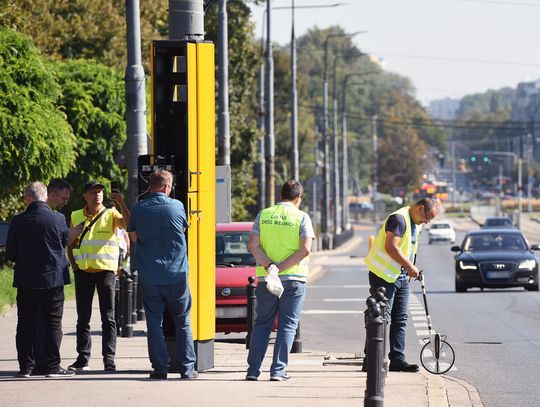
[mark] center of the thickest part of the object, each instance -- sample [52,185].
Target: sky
[448,48]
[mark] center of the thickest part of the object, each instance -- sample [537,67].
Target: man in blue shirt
[157,225]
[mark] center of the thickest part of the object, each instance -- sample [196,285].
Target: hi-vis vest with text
[280,237]
[100,247]
[378,260]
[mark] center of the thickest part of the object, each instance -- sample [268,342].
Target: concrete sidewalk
[316,380]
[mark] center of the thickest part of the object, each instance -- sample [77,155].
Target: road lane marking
[330,311]
[338,286]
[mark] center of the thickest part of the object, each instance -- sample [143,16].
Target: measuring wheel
[437,356]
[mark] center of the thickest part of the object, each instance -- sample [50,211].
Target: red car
[234,264]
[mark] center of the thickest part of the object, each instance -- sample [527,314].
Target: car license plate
[231,312]
[498,274]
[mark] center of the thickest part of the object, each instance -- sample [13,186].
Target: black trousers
[85,285]
[30,304]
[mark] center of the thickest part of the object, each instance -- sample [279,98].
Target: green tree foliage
[93,99]
[94,29]
[242,103]
[37,142]
[370,91]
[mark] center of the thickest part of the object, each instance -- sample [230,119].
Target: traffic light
[485,159]
[473,158]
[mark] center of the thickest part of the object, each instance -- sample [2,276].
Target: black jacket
[36,242]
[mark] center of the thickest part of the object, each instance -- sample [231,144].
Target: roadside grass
[8,294]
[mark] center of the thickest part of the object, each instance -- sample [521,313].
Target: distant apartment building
[443,109]
[526,109]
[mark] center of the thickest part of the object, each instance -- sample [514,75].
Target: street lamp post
[269,142]
[336,189]
[346,224]
[294,104]
[326,236]
[374,185]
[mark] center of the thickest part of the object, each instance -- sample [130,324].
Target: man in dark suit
[36,242]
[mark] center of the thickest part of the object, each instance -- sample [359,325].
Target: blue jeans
[398,304]
[288,308]
[176,298]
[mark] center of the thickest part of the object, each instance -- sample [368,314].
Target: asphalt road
[495,333]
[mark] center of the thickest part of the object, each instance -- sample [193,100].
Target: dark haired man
[95,261]
[390,261]
[281,239]
[58,193]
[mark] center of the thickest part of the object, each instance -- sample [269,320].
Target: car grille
[497,271]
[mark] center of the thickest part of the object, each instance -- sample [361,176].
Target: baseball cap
[92,184]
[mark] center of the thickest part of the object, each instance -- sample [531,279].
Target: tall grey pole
[269,142]
[529,172]
[326,236]
[224,135]
[345,221]
[186,19]
[454,175]
[374,170]
[336,193]
[326,241]
[520,192]
[135,99]
[294,106]
[261,170]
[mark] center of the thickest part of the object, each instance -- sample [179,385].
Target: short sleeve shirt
[396,224]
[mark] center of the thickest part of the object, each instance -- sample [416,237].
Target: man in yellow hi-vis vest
[94,258]
[390,261]
[281,242]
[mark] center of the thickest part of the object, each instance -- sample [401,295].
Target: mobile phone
[115,185]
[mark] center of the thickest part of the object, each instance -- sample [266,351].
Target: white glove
[273,283]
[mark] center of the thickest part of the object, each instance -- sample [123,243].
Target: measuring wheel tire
[437,362]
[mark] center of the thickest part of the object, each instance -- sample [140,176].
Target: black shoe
[110,367]
[404,367]
[23,374]
[158,376]
[78,366]
[280,378]
[251,378]
[38,371]
[61,372]
[193,375]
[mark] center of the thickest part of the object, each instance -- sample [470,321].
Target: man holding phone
[94,257]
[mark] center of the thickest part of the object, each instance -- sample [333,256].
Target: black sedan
[496,258]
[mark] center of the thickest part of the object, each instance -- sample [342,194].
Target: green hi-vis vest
[378,260]
[280,237]
[100,247]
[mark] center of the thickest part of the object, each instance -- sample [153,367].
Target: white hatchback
[441,231]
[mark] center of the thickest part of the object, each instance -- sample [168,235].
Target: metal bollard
[117,313]
[140,309]
[297,343]
[374,394]
[127,327]
[251,305]
[380,296]
[135,278]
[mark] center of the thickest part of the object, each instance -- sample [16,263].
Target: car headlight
[467,265]
[527,265]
